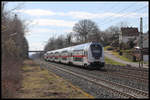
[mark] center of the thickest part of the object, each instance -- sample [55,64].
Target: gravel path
[111,56]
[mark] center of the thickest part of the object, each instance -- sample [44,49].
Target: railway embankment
[41,83]
[112,82]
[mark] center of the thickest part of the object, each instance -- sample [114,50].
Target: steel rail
[129,68]
[143,79]
[127,76]
[122,86]
[109,84]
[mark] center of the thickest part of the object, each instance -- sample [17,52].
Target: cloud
[80,14]
[87,15]
[37,12]
[53,22]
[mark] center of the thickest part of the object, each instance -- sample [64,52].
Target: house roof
[129,31]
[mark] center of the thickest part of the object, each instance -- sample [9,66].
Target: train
[88,55]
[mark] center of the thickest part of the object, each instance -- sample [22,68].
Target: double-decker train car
[46,56]
[87,55]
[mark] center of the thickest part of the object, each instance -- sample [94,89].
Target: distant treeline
[84,31]
[14,51]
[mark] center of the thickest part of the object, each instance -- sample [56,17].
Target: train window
[56,52]
[96,51]
[64,58]
[78,51]
[78,59]
[64,52]
[77,54]
[71,54]
[85,52]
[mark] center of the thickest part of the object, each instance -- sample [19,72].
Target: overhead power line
[112,20]
[124,9]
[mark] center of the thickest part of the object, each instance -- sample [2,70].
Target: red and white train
[86,55]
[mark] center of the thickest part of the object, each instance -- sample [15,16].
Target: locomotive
[87,55]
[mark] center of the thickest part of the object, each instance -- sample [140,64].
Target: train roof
[81,46]
[85,45]
[77,47]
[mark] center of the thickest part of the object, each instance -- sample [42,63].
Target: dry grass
[39,83]
[11,77]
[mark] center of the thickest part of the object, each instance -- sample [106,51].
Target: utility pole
[141,43]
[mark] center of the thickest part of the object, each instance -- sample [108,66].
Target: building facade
[127,34]
[145,50]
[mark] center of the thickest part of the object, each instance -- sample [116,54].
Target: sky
[52,19]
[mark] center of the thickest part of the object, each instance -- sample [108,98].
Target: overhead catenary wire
[124,9]
[123,15]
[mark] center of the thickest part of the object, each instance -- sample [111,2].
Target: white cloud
[37,12]
[82,15]
[79,14]
[53,22]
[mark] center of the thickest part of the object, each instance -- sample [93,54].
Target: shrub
[120,53]
[118,50]
[13,51]
[110,48]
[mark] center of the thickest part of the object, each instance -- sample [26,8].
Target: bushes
[129,56]
[110,48]
[11,76]
[14,49]
[120,53]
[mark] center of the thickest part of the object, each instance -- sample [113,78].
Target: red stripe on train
[80,56]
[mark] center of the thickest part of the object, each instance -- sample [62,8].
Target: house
[127,34]
[145,46]
[145,40]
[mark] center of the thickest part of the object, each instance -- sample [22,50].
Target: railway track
[127,76]
[136,71]
[123,75]
[119,77]
[125,79]
[115,88]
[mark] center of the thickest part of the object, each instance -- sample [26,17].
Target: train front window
[96,50]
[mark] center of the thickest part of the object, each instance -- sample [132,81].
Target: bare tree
[60,42]
[112,35]
[14,48]
[84,28]
[69,38]
[50,44]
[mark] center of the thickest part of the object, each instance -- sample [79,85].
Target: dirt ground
[40,83]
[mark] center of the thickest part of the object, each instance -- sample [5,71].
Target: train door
[56,56]
[64,56]
[78,57]
[69,57]
[85,58]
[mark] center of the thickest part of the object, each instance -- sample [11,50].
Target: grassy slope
[116,54]
[39,83]
[110,61]
[105,48]
[121,57]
